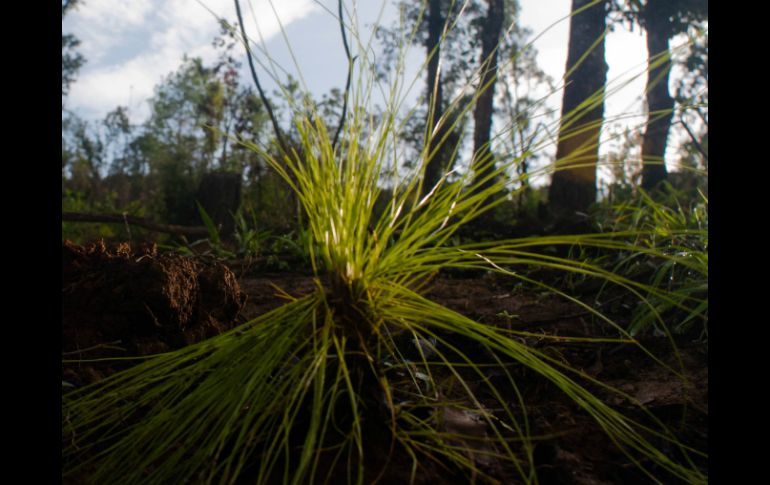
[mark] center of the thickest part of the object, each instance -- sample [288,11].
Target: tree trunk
[482,116]
[436,149]
[573,188]
[660,104]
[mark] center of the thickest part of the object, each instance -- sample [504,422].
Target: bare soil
[118,301]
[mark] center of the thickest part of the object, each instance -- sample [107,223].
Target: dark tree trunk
[482,116]
[574,189]
[660,104]
[436,149]
[220,195]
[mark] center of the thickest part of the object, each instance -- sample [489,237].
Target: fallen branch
[190,231]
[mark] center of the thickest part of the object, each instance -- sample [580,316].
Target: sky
[131,46]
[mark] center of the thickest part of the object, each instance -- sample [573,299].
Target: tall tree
[660,104]
[180,141]
[573,187]
[437,149]
[447,29]
[692,91]
[482,116]
[662,19]
[467,22]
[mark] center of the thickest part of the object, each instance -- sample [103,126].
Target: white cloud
[102,90]
[114,12]
[267,13]
[102,25]
[130,46]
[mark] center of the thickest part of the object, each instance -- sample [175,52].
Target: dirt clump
[121,301]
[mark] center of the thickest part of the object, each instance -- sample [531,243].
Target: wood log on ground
[189,231]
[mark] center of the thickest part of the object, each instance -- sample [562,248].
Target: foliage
[664,21]
[74,201]
[250,240]
[680,14]
[195,112]
[692,95]
[675,228]
[71,61]
[622,167]
[521,79]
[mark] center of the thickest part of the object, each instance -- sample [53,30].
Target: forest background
[150,158]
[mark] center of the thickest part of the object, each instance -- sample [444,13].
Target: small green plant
[677,235]
[213,245]
[296,245]
[251,241]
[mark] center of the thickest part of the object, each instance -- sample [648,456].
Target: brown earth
[117,301]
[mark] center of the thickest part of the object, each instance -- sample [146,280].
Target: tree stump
[219,193]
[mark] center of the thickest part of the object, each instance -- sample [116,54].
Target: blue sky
[131,46]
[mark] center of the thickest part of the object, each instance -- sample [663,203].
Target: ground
[118,302]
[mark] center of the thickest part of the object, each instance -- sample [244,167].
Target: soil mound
[121,301]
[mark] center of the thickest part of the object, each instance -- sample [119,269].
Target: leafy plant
[213,244]
[678,232]
[250,240]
